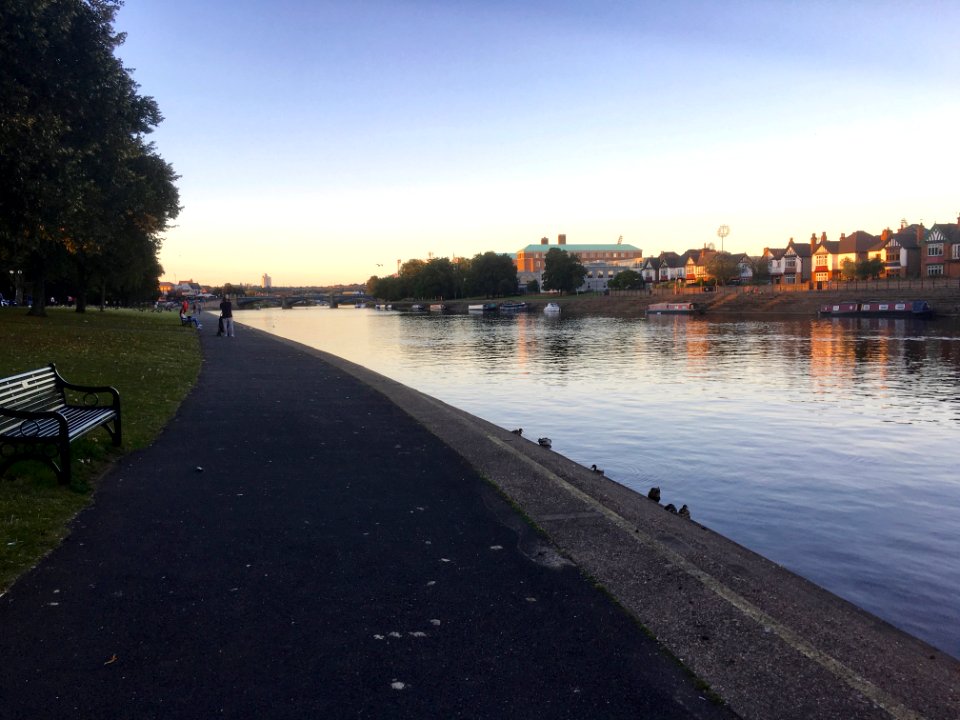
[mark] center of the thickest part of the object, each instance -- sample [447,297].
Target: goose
[597,470]
[518,431]
[671,508]
[654,494]
[685,512]
[545,442]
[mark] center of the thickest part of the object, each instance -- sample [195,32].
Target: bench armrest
[89,389]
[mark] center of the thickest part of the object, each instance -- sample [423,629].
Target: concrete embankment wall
[769,643]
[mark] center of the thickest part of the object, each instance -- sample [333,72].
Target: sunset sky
[320,142]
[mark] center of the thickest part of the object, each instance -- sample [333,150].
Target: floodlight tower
[722,232]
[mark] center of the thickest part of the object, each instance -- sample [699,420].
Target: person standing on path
[226,314]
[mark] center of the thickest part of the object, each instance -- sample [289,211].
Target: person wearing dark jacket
[226,314]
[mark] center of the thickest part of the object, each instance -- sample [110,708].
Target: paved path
[296,546]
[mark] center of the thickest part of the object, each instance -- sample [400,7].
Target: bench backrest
[33,391]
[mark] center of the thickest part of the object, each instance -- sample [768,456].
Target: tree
[490,275]
[848,269]
[723,267]
[760,268]
[533,287]
[71,119]
[626,280]
[562,271]
[439,278]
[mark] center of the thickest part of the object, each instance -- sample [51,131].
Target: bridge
[304,299]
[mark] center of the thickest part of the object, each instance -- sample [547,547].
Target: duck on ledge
[545,442]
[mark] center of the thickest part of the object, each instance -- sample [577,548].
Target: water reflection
[826,445]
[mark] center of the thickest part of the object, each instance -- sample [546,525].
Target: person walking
[226,314]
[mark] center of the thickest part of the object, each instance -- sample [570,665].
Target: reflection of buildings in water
[843,350]
[696,341]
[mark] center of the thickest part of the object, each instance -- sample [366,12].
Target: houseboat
[674,308]
[919,309]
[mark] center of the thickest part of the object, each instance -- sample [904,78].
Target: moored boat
[482,308]
[438,307]
[513,307]
[674,308]
[551,309]
[919,309]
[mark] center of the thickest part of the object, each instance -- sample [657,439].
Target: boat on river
[919,309]
[674,308]
[512,307]
[438,308]
[551,309]
[482,308]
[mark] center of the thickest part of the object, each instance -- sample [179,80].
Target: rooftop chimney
[561,239]
[823,237]
[544,241]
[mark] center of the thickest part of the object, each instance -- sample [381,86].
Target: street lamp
[16,280]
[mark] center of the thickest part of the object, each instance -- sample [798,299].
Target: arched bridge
[289,301]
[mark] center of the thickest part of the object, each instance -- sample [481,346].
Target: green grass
[148,357]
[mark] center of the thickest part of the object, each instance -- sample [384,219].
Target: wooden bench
[38,423]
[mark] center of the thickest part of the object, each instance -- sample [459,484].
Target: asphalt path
[294,545]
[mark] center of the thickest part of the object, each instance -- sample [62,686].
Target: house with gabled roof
[673,266]
[774,260]
[829,255]
[940,251]
[650,270]
[901,250]
[797,262]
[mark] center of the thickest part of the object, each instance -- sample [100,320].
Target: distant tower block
[266,282]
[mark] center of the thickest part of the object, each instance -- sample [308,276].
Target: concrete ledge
[769,643]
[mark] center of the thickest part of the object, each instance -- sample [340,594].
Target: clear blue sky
[317,140]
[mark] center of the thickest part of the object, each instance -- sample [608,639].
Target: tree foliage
[83,197]
[490,275]
[626,280]
[562,271]
[723,267]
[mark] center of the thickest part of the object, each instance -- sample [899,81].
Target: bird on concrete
[518,431]
[671,508]
[597,470]
[545,442]
[684,512]
[654,494]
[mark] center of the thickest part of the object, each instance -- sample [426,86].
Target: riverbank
[734,301]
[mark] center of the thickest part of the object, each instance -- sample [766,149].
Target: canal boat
[512,307]
[674,308]
[552,309]
[438,308]
[482,308]
[919,309]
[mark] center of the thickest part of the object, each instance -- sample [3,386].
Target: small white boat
[552,309]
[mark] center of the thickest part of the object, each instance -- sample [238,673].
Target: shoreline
[727,302]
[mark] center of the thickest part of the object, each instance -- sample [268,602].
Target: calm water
[828,446]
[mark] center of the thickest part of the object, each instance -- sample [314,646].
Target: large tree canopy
[562,271]
[82,195]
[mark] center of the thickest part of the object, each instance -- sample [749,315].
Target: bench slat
[38,393]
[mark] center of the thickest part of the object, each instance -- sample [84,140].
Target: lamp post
[16,279]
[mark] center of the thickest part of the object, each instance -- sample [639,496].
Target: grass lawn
[147,356]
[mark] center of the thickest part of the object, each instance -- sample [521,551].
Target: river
[828,446]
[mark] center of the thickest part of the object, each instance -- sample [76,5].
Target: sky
[323,142]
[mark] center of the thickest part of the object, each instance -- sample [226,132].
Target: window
[934,270]
[935,250]
[822,277]
[955,251]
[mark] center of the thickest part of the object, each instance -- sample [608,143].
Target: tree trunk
[38,308]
